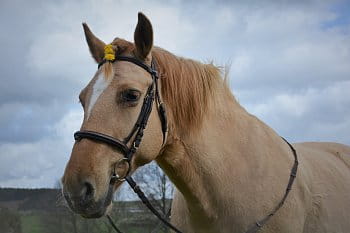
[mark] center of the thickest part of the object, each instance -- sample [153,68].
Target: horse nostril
[89,191]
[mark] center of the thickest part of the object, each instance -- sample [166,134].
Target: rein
[293,174]
[152,95]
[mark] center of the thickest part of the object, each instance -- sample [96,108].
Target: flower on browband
[109,53]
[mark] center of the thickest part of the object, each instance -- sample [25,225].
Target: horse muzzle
[84,203]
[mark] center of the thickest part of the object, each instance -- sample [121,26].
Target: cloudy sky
[290,66]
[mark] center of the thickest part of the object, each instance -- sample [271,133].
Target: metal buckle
[134,145]
[116,175]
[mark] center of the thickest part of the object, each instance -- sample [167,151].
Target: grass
[31,224]
[43,223]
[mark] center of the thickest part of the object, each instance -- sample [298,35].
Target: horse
[230,169]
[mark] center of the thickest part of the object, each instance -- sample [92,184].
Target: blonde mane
[187,87]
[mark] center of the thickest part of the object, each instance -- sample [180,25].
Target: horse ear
[143,37]
[96,46]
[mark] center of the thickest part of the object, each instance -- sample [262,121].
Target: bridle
[129,145]
[137,131]
[135,136]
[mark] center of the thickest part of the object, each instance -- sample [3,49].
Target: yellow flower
[109,57]
[109,52]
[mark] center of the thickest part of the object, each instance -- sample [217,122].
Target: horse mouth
[92,208]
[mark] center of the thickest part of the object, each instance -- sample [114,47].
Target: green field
[44,223]
[38,211]
[32,224]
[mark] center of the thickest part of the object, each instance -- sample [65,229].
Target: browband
[149,69]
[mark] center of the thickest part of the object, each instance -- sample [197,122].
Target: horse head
[113,101]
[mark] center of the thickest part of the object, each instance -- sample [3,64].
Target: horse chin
[102,211]
[92,209]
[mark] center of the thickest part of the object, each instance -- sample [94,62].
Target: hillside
[42,210]
[30,199]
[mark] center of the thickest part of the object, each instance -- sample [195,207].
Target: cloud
[290,67]
[39,163]
[310,115]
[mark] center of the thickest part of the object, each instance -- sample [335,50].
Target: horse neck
[225,162]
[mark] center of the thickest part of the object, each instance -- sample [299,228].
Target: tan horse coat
[227,191]
[234,171]
[230,168]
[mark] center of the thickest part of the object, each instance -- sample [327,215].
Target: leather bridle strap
[138,128]
[147,203]
[137,131]
[121,146]
[259,224]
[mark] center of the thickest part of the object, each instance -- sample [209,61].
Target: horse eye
[131,95]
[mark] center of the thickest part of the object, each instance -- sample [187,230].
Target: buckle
[154,73]
[116,176]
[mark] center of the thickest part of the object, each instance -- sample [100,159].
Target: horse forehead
[97,87]
[125,74]
[127,71]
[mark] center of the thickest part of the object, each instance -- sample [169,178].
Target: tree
[158,188]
